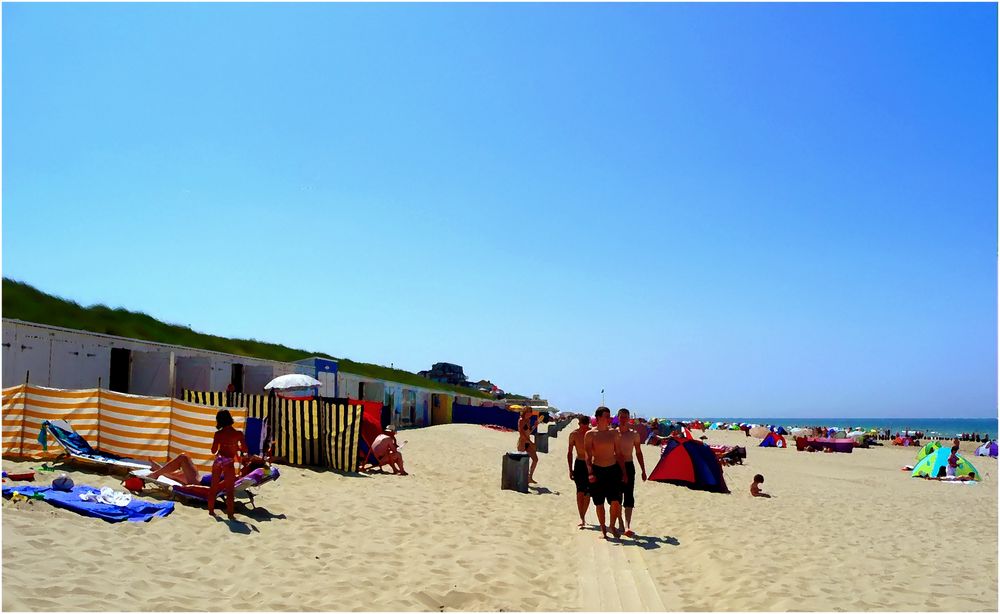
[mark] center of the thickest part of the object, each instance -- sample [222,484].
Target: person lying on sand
[948,478]
[755,487]
[183,471]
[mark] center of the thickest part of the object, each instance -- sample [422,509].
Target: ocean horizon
[931,426]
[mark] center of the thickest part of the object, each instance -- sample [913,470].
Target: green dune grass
[24,302]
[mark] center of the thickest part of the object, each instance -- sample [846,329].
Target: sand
[843,532]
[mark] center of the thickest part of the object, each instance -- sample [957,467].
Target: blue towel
[136,511]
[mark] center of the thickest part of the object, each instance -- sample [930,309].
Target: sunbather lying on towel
[182,470]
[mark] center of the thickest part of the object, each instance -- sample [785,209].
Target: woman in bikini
[524,443]
[227,445]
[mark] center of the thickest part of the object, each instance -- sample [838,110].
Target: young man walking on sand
[524,443]
[578,468]
[606,470]
[629,443]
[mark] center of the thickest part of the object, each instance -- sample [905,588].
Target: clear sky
[759,210]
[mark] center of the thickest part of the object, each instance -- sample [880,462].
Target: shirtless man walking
[629,443]
[578,469]
[606,469]
[524,443]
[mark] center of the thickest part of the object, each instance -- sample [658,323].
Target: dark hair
[583,420]
[758,478]
[602,411]
[954,448]
[624,410]
[223,419]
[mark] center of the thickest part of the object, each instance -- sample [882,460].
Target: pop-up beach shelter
[774,440]
[781,431]
[987,449]
[934,466]
[689,463]
[928,448]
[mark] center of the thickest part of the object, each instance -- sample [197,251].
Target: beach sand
[843,532]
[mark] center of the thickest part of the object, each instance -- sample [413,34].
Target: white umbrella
[292,380]
[294,386]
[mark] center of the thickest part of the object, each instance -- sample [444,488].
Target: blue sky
[774,210]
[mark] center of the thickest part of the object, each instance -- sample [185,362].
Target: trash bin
[542,441]
[514,475]
[553,431]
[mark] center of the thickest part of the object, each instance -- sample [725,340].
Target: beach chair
[255,434]
[369,462]
[201,492]
[80,451]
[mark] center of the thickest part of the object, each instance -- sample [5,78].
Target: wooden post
[98,444]
[24,411]
[171,377]
[514,472]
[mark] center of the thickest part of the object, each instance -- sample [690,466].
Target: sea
[945,427]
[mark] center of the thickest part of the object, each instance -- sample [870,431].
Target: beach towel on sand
[136,510]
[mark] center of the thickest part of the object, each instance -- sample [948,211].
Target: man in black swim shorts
[607,470]
[578,468]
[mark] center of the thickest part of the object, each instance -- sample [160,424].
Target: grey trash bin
[542,441]
[514,474]
[553,431]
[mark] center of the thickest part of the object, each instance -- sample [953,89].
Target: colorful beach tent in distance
[934,465]
[774,440]
[987,449]
[928,448]
[689,463]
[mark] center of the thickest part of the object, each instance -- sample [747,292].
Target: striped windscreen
[154,428]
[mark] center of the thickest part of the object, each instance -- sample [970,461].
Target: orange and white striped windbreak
[155,428]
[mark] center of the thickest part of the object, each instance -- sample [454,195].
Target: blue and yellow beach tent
[934,465]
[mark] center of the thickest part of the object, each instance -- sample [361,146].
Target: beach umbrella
[759,431]
[800,432]
[294,386]
[933,465]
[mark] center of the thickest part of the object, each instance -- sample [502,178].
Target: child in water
[755,487]
[227,445]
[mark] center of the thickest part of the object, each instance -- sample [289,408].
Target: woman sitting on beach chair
[386,451]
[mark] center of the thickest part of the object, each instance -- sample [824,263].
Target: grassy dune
[24,302]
